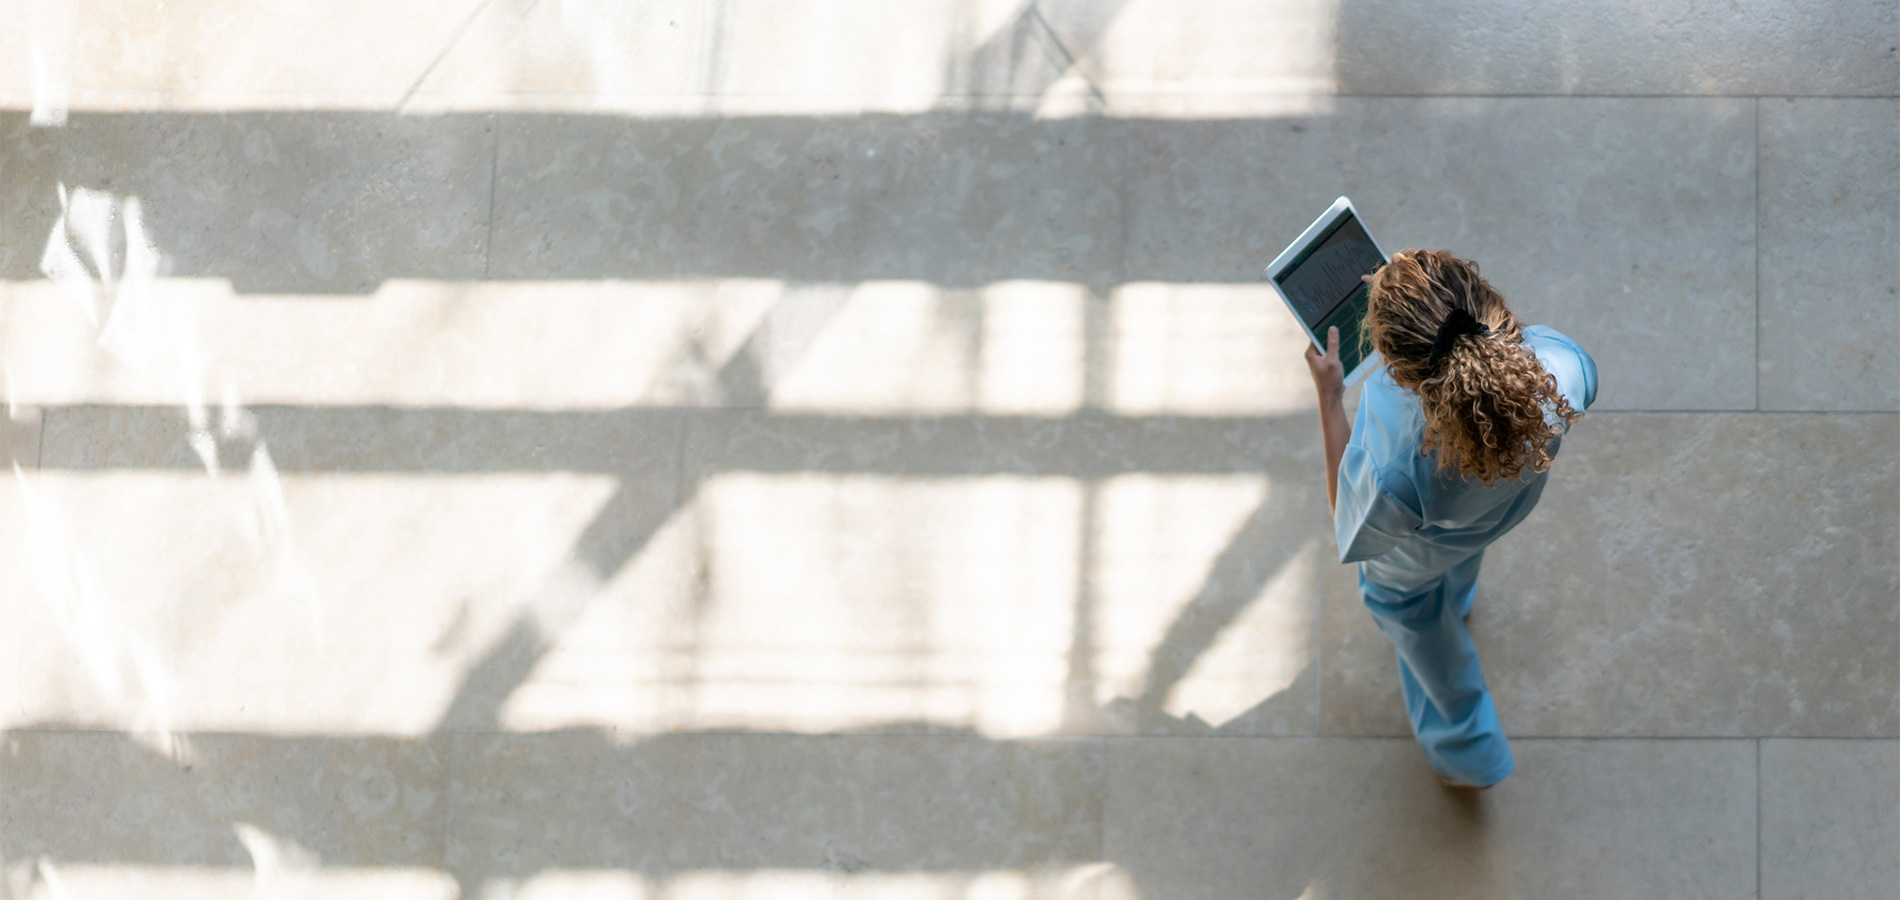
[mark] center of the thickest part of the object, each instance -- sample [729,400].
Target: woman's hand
[1328,378]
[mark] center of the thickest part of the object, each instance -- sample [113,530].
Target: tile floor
[730,448]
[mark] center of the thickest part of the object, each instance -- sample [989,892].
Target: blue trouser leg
[1451,711]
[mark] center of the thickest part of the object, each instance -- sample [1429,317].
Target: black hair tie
[1457,325]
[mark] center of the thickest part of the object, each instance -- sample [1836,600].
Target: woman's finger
[1332,343]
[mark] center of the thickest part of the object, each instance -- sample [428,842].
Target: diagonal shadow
[623,527]
[1259,550]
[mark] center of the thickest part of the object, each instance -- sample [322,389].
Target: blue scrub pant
[1451,711]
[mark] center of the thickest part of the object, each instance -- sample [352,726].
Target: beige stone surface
[1830,219]
[1683,575]
[1363,818]
[746,449]
[340,543]
[408,343]
[751,58]
[1624,47]
[739,803]
[650,49]
[20,430]
[328,203]
[1030,574]
[29,188]
[1155,58]
[223,801]
[1592,228]
[954,200]
[217,45]
[1830,818]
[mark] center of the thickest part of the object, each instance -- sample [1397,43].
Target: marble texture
[1625,47]
[217,800]
[953,200]
[1684,574]
[1364,818]
[1830,819]
[840,806]
[1624,223]
[1830,220]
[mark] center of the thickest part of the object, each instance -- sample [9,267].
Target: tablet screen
[1323,284]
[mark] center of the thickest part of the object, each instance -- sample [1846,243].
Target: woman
[1453,443]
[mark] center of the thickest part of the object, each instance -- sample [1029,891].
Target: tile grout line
[1758,819]
[1068,58]
[950,735]
[39,448]
[1746,412]
[439,57]
[703,95]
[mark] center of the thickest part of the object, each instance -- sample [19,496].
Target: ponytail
[1491,410]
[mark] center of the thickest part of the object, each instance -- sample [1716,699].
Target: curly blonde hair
[1485,397]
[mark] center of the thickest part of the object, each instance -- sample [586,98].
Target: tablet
[1318,277]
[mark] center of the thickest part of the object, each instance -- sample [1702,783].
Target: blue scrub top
[1404,519]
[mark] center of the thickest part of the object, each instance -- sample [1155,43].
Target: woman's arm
[1330,381]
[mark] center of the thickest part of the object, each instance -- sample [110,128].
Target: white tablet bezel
[1321,226]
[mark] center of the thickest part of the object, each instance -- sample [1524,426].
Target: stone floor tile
[312,202]
[1573,207]
[1363,818]
[874,55]
[751,58]
[1031,574]
[1155,58]
[223,800]
[410,343]
[1684,575]
[1627,47]
[844,806]
[29,192]
[955,200]
[577,47]
[20,433]
[211,45]
[1830,218]
[422,560]
[1830,819]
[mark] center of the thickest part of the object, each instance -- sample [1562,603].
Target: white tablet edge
[1341,208]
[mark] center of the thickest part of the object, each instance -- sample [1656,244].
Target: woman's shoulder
[1566,361]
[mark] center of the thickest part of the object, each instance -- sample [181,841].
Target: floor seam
[1757,253]
[439,57]
[1068,59]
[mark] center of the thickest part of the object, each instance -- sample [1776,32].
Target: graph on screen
[1323,278]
